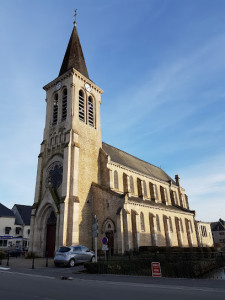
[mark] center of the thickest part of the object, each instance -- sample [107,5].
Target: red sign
[156,270]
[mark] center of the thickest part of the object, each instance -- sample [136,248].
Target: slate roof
[136,164]
[25,212]
[74,57]
[218,226]
[5,211]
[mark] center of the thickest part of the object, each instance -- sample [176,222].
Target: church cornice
[148,203]
[72,72]
[117,165]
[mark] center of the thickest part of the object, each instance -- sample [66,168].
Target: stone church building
[79,177]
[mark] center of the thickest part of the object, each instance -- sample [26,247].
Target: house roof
[5,211]
[74,57]
[136,164]
[218,226]
[25,212]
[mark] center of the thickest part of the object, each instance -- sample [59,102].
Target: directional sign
[156,270]
[105,240]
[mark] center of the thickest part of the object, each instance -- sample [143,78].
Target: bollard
[0,261]
[46,259]
[7,264]
[33,261]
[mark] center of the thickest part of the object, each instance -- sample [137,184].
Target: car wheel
[71,263]
[93,259]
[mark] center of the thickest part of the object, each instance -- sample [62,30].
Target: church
[79,178]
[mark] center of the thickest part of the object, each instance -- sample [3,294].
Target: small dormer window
[18,230]
[7,230]
[28,231]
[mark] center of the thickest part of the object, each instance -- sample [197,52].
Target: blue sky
[161,64]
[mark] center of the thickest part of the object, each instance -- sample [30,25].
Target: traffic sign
[156,270]
[105,248]
[105,240]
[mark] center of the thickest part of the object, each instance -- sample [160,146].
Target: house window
[64,105]
[142,221]
[90,111]
[18,230]
[116,181]
[55,110]
[28,231]
[81,106]
[7,230]
[3,243]
[131,184]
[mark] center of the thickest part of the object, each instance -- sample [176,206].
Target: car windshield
[64,249]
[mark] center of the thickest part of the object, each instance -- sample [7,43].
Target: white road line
[5,269]
[30,275]
[147,285]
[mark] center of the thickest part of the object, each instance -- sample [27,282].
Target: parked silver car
[69,256]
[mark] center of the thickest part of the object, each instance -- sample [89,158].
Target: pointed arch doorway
[51,234]
[108,229]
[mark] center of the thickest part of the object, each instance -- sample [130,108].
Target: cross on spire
[75,17]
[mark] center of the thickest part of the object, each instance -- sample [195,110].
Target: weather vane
[75,17]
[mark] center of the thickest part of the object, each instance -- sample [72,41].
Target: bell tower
[68,160]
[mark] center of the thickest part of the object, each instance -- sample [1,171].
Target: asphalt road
[27,286]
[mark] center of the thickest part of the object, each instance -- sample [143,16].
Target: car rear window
[64,249]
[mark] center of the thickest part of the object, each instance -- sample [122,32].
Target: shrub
[2,254]
[30,254]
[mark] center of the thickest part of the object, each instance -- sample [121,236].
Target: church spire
[74,57]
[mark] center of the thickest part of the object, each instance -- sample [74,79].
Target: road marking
[147,285]
[130,284]
[5,269]
[30,275]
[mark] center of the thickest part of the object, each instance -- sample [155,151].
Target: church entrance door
[51,235]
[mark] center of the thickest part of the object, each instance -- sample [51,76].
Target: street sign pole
[96,254]
[95,236]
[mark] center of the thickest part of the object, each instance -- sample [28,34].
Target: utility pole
[95,235]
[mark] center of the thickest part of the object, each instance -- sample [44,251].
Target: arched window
[64,105]
[144,188]
[90,111]
[131,184]
[55,110]
[142,221]
[116,181]
[81,106]
[157,223]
